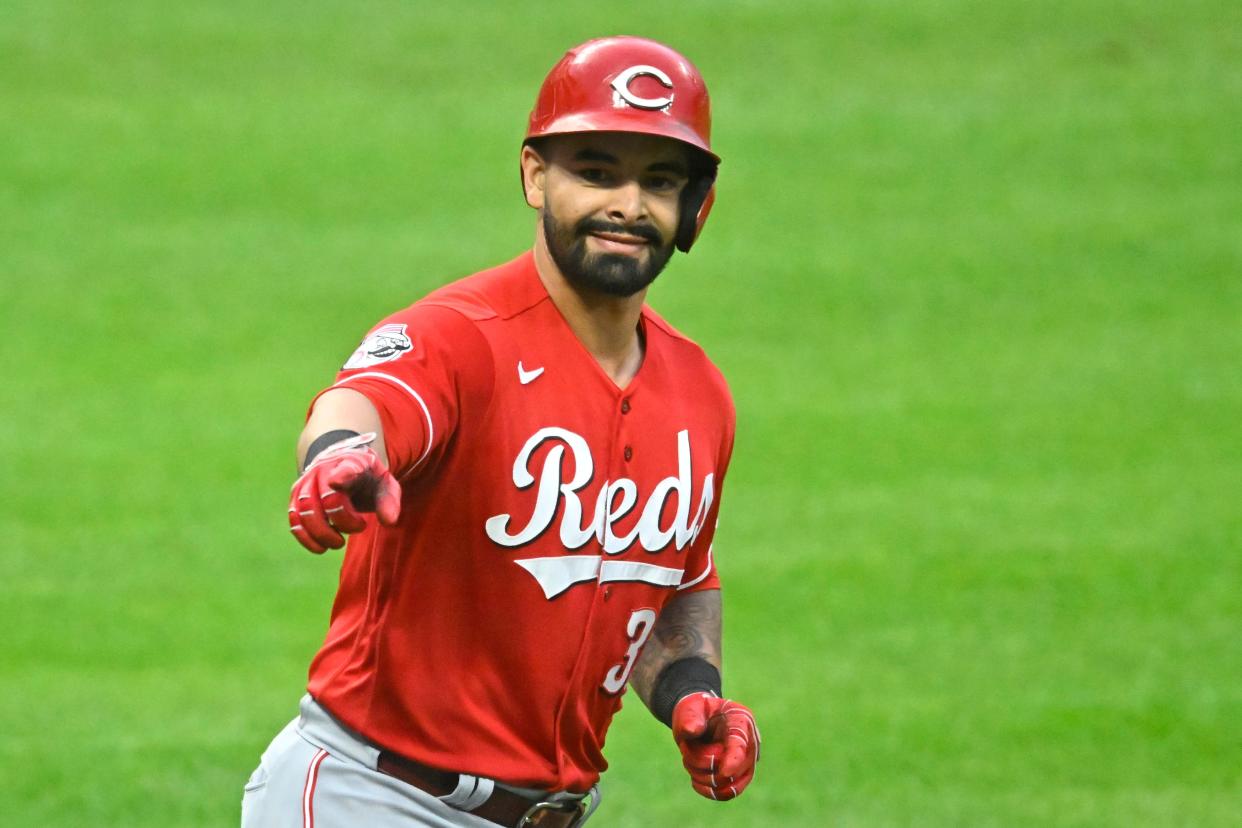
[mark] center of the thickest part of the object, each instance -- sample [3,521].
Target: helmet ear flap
[696,202]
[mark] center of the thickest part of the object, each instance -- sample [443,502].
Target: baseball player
[528,466]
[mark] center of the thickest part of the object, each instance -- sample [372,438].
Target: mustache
[642,231]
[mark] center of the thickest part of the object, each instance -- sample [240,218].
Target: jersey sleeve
[700,573]
[419,368]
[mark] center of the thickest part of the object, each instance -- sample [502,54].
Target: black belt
[502,807]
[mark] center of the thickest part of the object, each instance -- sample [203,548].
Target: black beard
[614,274]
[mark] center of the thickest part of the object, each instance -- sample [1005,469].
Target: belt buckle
[575,806]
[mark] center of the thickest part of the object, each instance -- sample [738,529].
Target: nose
[627,204]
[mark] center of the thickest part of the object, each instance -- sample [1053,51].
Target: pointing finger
[388,500]
[690,717]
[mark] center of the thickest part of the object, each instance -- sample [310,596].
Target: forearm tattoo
[689,625]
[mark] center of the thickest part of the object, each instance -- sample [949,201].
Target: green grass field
[974,274]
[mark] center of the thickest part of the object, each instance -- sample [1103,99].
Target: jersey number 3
[639,628]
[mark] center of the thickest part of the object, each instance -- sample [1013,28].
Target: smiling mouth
[619,241]
[621,238]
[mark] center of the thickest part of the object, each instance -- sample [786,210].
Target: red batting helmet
[631,84]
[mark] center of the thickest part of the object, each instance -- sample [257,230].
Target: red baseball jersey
[546,517]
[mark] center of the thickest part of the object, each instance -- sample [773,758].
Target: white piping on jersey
[426,412]
[706,570]
[558,573]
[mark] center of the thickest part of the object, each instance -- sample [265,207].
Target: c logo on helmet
[621,88]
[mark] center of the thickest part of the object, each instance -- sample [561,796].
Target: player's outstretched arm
[344,472]
[678,678]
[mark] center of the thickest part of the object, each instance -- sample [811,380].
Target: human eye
[663,183]
[593,175]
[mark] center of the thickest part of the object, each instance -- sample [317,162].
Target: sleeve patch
[384,344]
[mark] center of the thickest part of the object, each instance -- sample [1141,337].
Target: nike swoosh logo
[526,377]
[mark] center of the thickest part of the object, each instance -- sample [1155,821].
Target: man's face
[610,207]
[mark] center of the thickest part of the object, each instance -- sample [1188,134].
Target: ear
[534,174]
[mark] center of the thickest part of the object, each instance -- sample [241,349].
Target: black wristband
[680,679]
[323,441]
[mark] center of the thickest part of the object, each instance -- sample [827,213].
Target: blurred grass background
[975,275]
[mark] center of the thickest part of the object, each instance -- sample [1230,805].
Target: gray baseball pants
[317,774]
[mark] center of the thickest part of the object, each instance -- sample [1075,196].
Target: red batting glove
[719,744]
[345,480]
